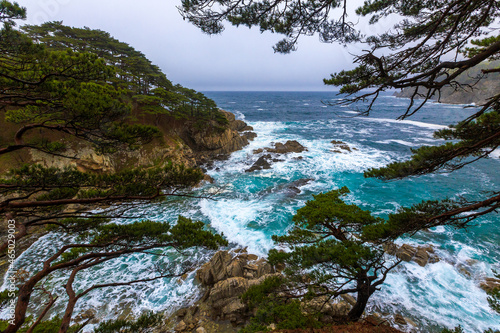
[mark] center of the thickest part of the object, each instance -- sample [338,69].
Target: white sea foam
[438,293]
[406,122]
[495,153]
[232,218]
[401,142]
[239,115]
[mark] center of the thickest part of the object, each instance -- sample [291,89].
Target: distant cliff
[472,90]
[182,142]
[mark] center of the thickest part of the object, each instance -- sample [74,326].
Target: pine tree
[58,82]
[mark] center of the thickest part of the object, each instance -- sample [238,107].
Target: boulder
[215,270]
[260,164]
[238,125]
[291,146]
[400,320]
[341,147]
[227,276]
[490,284]
[226,289]
[349,299]
[406,252]
[340,309]
[422,255]
[250,135]
[181,326]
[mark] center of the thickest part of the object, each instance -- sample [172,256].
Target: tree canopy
[60,84]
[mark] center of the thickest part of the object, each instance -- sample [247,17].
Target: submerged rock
[290,189]
[341,147]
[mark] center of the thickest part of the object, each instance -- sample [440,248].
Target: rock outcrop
[182,143]
[422,255]
[291,146]
[264,161]
[225,278]
[290,190]
[261,164]
[341,147]
[471,90]
[211,142]
[490,284]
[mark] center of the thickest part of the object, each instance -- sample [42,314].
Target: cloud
[238,59]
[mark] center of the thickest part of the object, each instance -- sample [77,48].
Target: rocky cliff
[471,90]
[182,143]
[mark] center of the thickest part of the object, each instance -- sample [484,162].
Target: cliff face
[181,143]
[472,90]
[208,144]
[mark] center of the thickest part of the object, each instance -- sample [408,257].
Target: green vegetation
[333,242]
[143,82]
[59,85]
[145,321]
[272,308]
[408,56]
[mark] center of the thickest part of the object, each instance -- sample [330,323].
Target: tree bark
[363,287]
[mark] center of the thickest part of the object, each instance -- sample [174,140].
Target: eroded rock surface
[422,255]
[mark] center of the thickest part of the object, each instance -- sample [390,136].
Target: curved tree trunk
[23,300]
[364,293]
[66,320]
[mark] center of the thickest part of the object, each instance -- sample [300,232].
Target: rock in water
[260,164]
[288,147]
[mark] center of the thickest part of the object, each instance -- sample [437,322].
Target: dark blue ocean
[250,207]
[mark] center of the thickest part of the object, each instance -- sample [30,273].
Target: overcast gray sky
[239,59]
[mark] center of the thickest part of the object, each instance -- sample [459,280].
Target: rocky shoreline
[181,144]
[230,273]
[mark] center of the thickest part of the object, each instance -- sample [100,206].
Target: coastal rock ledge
[225,278]
[208,144]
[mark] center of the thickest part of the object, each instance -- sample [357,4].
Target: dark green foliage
[47,326]
[10,11]
[291,20]
[273,309]
[143,82]
[472,139]
[66,186]
[145,321]
[329,255]
[283,315]
[61,85]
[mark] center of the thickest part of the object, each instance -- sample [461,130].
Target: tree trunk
[66,320]
[21,307]
[363,286]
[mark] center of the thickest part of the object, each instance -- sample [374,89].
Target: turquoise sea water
[253,206]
